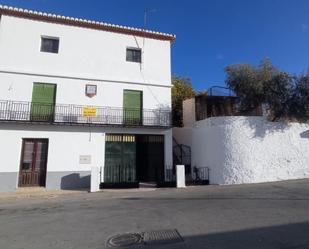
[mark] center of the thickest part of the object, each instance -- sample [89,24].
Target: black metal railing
[119,176]
[220,91]
[170,173]
[198,176]
[181,153]
[22,111]
[125,176]
[119,173]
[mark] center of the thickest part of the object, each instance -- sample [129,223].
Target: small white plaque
[85,159]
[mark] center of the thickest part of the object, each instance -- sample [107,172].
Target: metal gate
[120,159]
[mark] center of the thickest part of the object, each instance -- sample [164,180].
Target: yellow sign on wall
[89,112]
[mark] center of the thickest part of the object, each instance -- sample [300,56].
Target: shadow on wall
[262,126]
[305,134]
[75,181]
[283,236]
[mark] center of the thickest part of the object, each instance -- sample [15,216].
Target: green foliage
[286,96]
[279,96]
[249,82]
[301,97]
[182,89]
[201,93]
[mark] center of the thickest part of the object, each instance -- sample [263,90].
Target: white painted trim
[80,78]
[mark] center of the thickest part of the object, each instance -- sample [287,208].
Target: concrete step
[147,184]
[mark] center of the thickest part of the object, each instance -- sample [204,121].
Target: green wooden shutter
[43,102]
[132,106]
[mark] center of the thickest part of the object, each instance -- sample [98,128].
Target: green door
[120,159]
[132,107]
[43,102]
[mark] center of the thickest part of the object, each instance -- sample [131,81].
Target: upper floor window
[134,54]
[50,44]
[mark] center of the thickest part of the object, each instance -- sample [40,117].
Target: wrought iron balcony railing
[20,111]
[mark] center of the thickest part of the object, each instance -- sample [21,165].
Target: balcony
[67,114]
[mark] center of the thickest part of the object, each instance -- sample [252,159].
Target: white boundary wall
[248,149]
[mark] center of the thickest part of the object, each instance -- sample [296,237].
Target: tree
[182,89]
[301,98]
[249,82]
[279,96]
[285,96]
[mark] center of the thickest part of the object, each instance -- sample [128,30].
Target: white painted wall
[86,56]
[188,109]
[168,148]
[82,53]
[248,149]
[72,91]
[66,144]
[183,135]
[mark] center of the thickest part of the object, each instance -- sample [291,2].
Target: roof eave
[52,18]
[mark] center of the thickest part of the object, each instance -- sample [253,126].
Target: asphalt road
[272,215]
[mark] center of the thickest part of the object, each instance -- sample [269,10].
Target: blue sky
[211,34]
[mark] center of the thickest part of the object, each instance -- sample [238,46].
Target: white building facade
[76,94]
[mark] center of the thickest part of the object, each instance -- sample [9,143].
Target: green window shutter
[43,93]
[132,106]
[43,102]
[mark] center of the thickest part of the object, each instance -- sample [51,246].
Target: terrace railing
[198,176]
[21,111]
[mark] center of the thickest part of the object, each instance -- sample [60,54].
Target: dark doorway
[150,158]
[33,162]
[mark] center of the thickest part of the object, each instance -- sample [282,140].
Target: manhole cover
[124,240]
[162,237]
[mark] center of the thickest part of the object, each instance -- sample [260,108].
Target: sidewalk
[37,192]
[40,192]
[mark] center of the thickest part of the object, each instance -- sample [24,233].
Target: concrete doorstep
[128,190]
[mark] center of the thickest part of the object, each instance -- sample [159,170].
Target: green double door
[132,107]
[120,158]
[43,102]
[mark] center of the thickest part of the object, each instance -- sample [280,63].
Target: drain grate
[124,240]
[162,237]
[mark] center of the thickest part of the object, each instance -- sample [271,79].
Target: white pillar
[180,176]
[95,179]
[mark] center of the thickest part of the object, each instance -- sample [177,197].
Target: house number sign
[91,90]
